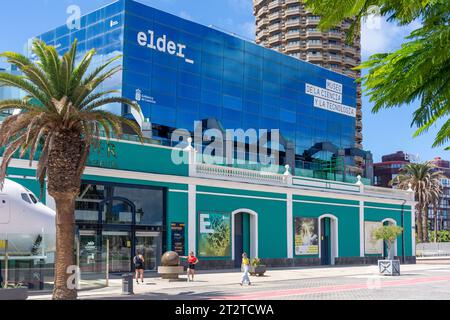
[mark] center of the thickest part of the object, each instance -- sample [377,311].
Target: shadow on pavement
[185,295]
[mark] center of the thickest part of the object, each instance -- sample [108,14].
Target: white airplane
[27,224]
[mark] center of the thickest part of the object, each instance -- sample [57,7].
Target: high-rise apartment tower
[286,26]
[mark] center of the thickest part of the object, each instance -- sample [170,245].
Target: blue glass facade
[180,71]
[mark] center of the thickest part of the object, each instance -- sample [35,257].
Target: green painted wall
[271,219]
[137,157]
[177,211]
[348,224]
[371,214]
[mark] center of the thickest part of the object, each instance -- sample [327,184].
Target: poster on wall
[372,246]
[178,237]
[306,236]
[214,235]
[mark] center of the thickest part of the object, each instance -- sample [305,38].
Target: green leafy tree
[61,114]
[425,180]
[418,71]
[442,236]
[388,234]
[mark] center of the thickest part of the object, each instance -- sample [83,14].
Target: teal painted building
[137,197]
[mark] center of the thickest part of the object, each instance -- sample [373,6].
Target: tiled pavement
[421,281]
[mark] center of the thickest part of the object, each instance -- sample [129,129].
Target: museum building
[312,210]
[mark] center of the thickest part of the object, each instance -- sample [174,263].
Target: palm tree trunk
[419,223]
[425,224]
[65,236]
[64,182]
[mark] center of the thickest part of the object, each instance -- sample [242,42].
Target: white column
[289,231]
[413,229]
[192,217]
[361,229]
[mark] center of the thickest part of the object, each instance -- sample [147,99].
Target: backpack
[138,261]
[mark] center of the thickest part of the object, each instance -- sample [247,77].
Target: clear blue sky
[385,132]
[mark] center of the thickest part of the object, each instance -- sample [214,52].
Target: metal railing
[433,249]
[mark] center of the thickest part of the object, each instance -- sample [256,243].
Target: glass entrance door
[148,244]
[119,250]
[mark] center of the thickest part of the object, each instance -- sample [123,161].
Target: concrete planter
[389,267]
[258,270]
[14,294]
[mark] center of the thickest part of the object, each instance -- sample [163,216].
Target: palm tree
[425,180]
[62,115]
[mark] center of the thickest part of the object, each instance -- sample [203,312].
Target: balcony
[275,4]
[358,136]
[314,45]
[292,12]
[358,113]
[314,33]
[261,35]
[350,61]
[293,23]
[274,27]
[312,21]
[349,49]
[292,35]
[335,35]
[263,11]
[274,39]
[332,46]
[275,16]
[314,57]
[290,47]
[261,23]
[335,58]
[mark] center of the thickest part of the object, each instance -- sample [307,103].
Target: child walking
[245,269]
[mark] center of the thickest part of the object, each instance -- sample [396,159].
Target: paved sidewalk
[205,281]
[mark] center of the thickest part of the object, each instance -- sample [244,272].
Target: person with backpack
[192,261]
[138,261]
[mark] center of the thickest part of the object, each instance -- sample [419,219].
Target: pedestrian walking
[192,261]
[245,267]
[138,261]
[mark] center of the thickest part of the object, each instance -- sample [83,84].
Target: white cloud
[241,6]
[382,36]
[244,29]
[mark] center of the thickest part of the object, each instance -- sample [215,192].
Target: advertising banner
[306,236]
[372,246]
[178,237]
[214,235]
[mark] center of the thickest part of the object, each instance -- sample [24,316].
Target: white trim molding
[290,226]
[192,217]
[361,229]
[393,222]
[334,227]
[253,232]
